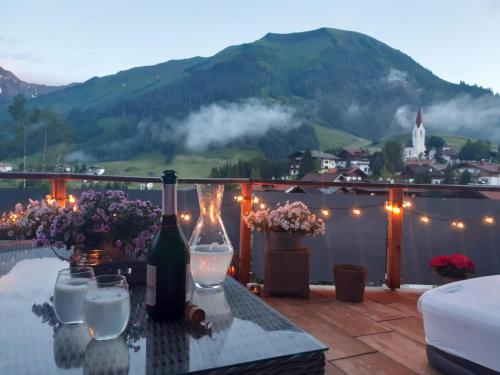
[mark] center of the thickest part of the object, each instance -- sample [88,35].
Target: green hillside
[341,80]
[334,138]
[187,165]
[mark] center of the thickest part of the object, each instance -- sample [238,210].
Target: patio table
[247,337]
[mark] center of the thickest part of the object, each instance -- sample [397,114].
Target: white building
[325,160]
[417,151]
[98,171]
[5,167]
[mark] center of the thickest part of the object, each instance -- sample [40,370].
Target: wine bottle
[168,260]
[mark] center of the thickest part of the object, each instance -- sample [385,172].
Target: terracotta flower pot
[283,240]
[350,282]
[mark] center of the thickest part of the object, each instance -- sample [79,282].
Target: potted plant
[350,281]
[104,229]
[285,225]
[453,267]
[21,224]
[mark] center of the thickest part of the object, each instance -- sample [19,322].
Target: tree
[307,165]
[423,177]
[477,150]
[376,163]
[23,119]
[435,141]
[449,175]
[465,178]
[50,121]
[393,156]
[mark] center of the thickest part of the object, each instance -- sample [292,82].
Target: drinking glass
[71,286]
[106,306]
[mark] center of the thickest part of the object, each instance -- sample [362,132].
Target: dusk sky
[58,42]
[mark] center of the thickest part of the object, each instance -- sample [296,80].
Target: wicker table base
[286,273]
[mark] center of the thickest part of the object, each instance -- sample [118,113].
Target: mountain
[269,95]
[10,86]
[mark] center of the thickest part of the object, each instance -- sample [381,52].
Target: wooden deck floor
[382,335]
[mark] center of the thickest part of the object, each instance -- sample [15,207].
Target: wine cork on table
[194,314]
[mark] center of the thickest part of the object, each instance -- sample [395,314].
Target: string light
[239,198]
[394,209]
[262,206]
[407,204]
[325,212]
[424,219]
[489,220]
[388,206]
[458,224]
[186,217]
[356,211]
[71,199]
[256,200]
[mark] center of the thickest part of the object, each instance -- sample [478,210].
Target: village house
[325,160]
[424,168]
[4,167]
[98,171]
[482,172]
[351,174]
[354,157]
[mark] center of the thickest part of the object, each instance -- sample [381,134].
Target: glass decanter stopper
[211,249]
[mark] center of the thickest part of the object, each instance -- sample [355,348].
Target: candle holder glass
[211,249]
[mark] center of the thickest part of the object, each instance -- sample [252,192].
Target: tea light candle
[255,289]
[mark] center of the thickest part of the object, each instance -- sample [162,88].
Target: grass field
[335,138]
[187,165]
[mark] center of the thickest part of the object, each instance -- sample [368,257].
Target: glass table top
[244,330]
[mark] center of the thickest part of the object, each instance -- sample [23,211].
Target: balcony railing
[395,191]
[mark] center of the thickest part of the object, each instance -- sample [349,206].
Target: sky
[64,41]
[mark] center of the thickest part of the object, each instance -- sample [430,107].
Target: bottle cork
[194,314]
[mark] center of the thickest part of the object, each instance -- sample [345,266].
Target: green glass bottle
[168,260]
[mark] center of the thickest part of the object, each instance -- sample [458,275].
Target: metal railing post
[245,234]
[58,190]
[394,239]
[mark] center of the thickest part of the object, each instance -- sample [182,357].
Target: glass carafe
[211,250]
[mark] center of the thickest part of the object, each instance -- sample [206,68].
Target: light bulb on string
[255,200]
[407,204]
[325,212]
[458,224]
[262,206]
[425,219]
[239,198]
[356,211]
[396,210]
[186,217]
[489,220]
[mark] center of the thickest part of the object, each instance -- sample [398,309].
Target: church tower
[418,138]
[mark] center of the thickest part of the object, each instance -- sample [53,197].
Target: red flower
[459,261]
[439,261]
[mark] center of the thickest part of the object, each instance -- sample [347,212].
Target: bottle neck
[169,200]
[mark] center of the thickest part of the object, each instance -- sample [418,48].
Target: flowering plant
[102,219]
[455,265]
[292,217]
[22,223]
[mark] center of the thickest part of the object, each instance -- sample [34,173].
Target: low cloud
[220,123]
[461,113]
[79,157]
[396,77]
[354,112]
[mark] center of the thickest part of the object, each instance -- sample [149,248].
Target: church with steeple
[417,151]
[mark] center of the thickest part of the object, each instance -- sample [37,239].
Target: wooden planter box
[286,273]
